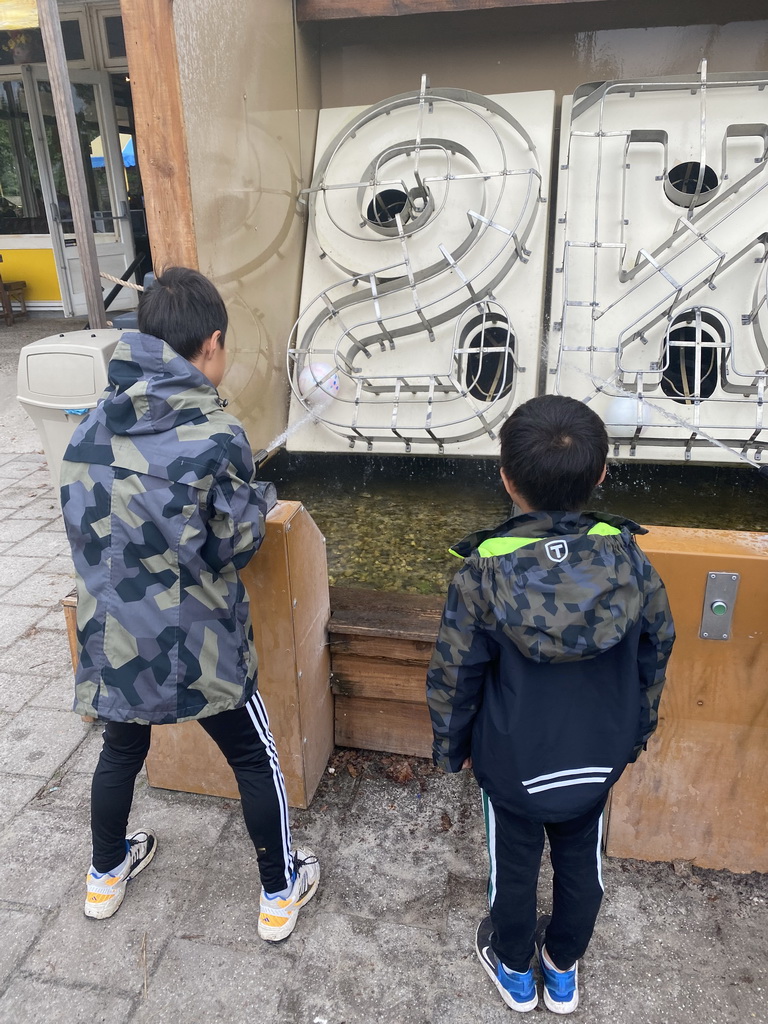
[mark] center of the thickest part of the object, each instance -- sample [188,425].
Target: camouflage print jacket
[161,511]
[550,660]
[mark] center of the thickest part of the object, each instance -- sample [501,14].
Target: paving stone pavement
[389,937]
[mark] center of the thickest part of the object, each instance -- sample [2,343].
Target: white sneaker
[104,893]
[277,917]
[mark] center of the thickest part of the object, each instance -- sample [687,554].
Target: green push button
[719,607]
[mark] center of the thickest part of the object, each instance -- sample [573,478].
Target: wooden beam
[326,10]
[161,140]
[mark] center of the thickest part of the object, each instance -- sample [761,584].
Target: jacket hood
[153,389]
[560,586]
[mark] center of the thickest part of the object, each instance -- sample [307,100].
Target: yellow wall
[37,268]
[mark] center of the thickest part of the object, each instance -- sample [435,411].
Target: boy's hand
[467,764]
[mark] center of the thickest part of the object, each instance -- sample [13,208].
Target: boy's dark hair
[553,450]
[183,308]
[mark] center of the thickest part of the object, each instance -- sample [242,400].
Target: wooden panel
[268,582]
[370,613]
[160,136]
[185,758]
[311,611]
[700,792]
[323,10]
[393,648]
[378,677]
[294,669]
[395,726]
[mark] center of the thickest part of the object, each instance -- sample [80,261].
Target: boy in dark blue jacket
[546,679]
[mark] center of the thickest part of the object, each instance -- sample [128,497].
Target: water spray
[318,384]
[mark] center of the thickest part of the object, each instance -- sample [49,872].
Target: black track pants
[515,846]
[244,738]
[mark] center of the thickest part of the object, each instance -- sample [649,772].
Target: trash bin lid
[66,370]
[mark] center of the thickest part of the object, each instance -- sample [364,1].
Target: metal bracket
[719,602]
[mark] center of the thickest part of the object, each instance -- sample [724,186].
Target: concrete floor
[389,937]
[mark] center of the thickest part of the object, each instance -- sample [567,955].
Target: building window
[25,46]
[113,33]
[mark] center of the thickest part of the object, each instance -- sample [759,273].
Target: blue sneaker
[561,988]
[516,989]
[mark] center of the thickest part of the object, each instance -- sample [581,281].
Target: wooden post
[72,158]
[160,136]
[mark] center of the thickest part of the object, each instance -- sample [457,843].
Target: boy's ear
[509,487]
[210,344]
[602,475]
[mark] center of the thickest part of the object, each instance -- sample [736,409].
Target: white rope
[117,280]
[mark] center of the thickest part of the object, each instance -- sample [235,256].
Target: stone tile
[45,508]
[460,992]
[43,590]
[19,928]
[37,742]
[18,791]
[64,792]
[15,570]
[38,1001]
[225,908]
[371,963]
[14,498]
[41,653]
[21,688]
[155,902]
[392,855]
[52,847]
[61,565]
[83,760]
[13,693]
[204,984]
[23,469]
[45,543]
[14,623]
[59,694]
[54,620]
[15,530]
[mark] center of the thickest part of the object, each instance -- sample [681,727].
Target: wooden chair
[12,290]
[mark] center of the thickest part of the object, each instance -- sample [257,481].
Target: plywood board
[288,589]
[700,792]
[185,758]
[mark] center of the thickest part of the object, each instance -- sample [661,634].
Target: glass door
[105,157]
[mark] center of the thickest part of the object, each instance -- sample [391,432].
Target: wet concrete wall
[250,92]
[252,82]
[520,49]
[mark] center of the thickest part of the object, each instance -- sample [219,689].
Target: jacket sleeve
[656,639]
[457,673]
[238,506]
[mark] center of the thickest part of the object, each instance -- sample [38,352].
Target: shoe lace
[299,862]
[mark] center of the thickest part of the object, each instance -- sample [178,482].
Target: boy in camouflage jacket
[546,679]
[161,511]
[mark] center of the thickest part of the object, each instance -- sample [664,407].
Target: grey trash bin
[59,379]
